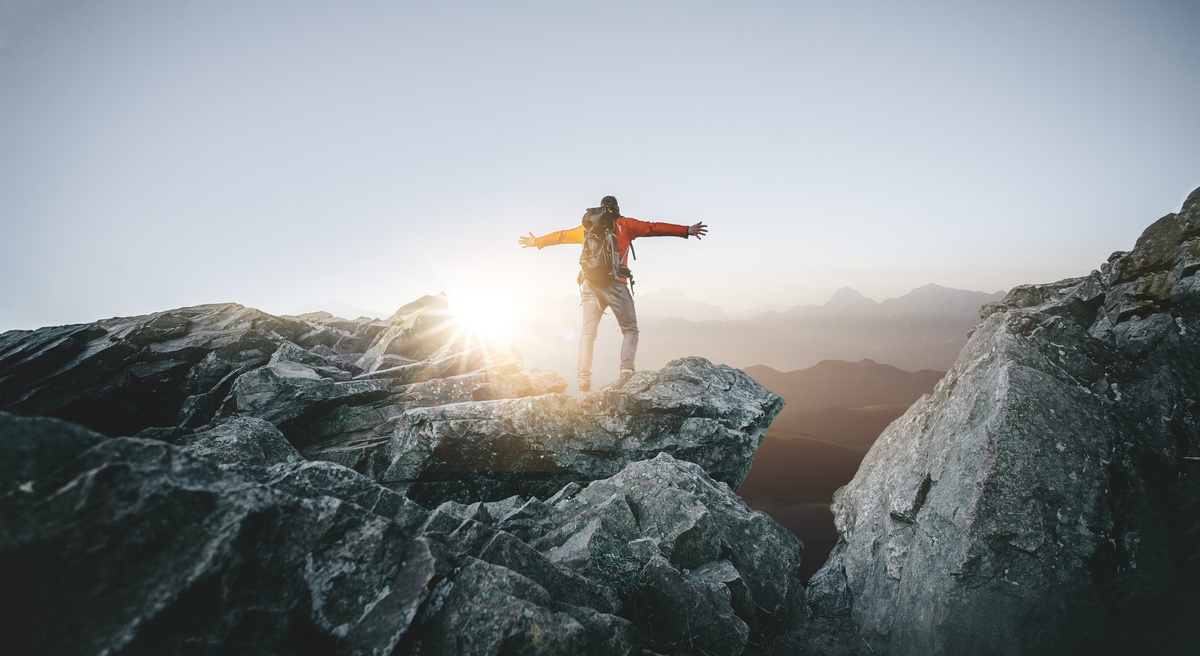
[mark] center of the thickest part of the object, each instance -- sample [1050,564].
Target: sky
[161,154]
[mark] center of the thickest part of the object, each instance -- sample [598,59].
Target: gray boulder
[247,441]
[694,566]
[712,415]
[1045,498]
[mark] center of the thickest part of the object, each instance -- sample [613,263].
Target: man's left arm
[651,229]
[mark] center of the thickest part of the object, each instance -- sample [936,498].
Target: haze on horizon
[157,155]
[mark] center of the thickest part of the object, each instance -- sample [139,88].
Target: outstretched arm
[572,236]
[649,229]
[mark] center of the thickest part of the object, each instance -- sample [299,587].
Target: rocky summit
[416,402]
[1045,499]
[216,479]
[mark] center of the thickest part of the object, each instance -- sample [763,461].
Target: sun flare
[490,314]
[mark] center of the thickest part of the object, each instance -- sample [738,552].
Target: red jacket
[627,230]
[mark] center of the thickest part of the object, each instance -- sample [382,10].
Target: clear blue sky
[157,154]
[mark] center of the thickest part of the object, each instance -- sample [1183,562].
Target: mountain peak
[849,297]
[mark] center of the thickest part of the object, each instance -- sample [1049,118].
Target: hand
[527,242]
[697,231]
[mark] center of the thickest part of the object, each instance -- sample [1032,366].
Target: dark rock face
[1046,498]
[149,549]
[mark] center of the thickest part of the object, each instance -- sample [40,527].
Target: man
[614,293]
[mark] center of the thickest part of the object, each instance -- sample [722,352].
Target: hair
[609,200]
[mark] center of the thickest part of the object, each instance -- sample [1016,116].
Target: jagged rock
[678,547]
[356,435]
[262,554]
[455,419]
[1046,498]
[284,393]
[150,549]
[247,441]
[709,414]
[122,375]
[239,517]
[185,371]
[317,479]
[147,549]
[415,332]
[491,609]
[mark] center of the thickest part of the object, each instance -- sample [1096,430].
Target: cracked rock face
[1046,497]
[148,548]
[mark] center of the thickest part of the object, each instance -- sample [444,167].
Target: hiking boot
[622,379]
[585,385]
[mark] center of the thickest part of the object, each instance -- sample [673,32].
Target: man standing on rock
[604,278]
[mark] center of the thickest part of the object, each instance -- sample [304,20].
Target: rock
[148,549]
[712,415]
[690,560]
[262,554]
[416,331]
[122,375]
[271,498]
[287,393]
[317,479]
[34,448]
[1046,497]
[171,374]
[247,441]
[452,419]
[491,610]
[679,601]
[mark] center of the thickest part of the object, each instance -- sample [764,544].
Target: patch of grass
[618,570]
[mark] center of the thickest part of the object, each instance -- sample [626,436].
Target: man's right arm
[573,236]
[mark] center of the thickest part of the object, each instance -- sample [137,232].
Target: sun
[488,314]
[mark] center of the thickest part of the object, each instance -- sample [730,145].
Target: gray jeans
[595,299]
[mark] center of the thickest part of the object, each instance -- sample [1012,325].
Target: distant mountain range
[339,309]
[924,329]
[668,303]
[921,330]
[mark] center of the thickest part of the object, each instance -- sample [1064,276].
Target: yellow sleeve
[572,236]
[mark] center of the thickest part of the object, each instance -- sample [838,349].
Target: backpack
[600,263]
